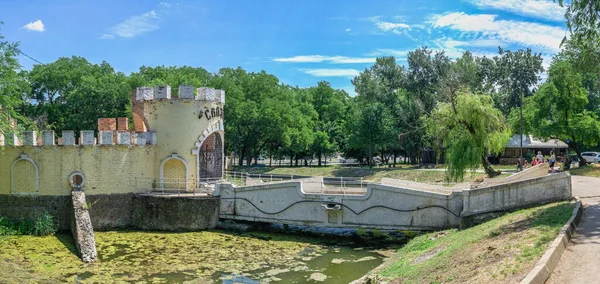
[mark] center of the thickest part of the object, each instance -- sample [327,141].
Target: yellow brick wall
[108,169]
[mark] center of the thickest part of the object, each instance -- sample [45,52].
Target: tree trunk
[487,166]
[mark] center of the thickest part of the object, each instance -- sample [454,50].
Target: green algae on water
[160,257]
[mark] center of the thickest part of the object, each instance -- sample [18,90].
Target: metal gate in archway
[210,158]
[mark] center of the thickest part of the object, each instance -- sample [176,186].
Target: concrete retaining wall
[174,213]
[117,211]
[395,205]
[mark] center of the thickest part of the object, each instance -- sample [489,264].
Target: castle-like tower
[176,144]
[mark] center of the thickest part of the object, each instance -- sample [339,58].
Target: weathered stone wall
[118,211]
[108,169]
[28,207]
[174,213]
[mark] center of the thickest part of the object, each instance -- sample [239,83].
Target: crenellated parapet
[86,138]
[185,92]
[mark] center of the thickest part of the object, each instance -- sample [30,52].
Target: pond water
[198,257]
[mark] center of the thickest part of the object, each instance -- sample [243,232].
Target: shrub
[43,225]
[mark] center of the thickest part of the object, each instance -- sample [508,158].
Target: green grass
[501,250]
[589,171]
[404,172]
[43,225]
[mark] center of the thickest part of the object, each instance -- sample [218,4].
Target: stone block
[163,92]
[205,94]
[122,124]
[68,137]
[29,138]
[87,137]
[138,138]
[106,137]
[48,137]
[2,140]
[107,124]
[144,93]
[151,138]
[123,138]
[186,92]
[220,96]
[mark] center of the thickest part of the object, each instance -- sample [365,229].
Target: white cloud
[348,30]
[107,36]
[542,9]
[36,26]
[322,58]
[398,53]
[387,26]
[134,26]
[331,72]
[487,27]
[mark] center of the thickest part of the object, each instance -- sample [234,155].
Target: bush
[43,225]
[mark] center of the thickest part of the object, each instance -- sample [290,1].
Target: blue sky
[301,42]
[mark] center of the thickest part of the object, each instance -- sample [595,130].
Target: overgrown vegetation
[499,251]
[43,225]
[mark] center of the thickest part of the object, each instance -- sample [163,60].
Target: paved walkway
[580,263]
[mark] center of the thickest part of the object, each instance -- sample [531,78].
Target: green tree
[472,129]
[557,110]
[330,106]
[12,86]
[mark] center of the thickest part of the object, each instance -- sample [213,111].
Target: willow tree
[472,129]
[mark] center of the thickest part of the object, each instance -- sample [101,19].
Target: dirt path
[580,263]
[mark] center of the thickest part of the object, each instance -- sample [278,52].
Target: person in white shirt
[540,157]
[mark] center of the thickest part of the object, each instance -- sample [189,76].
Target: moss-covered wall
[118,211]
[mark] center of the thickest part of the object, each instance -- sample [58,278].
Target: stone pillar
[186,92]
[48,137]
[220,96]
[29,138]
[162,92]
[122,124]
[205,94]
[106,137]
[138,138]
[2,140]
[144,93]
[123,138]
[81,227]
[87,137]
[107,124]
[68,137]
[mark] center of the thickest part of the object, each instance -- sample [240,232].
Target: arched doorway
[210,158]
[174,173]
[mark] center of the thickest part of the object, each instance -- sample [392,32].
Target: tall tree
[473,129]
[72,93]
[557,110]
[12,85]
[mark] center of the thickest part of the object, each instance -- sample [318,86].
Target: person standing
[540,157]
[552,160]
